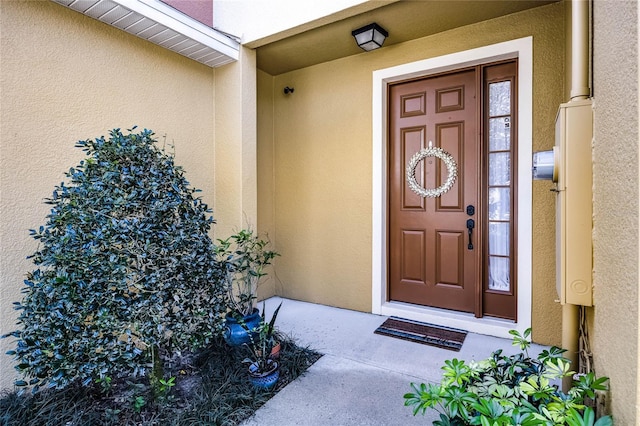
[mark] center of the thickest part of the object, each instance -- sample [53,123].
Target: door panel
[429,259]
[413,250]
[412,140]
[449,246]
[451,137]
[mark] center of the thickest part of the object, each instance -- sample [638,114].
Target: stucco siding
[235,150]
[67,77]
[266,208]
[615,179]
[323,163]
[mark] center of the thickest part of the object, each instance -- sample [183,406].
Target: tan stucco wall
[614,334]
[266,208]
[66,77]
[235,150]
[323,163]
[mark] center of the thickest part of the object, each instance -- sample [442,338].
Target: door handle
[470,225]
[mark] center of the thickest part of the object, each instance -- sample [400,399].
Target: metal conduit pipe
[579,90]
[570,339]
[579,49]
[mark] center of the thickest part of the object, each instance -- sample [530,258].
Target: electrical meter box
[574,203]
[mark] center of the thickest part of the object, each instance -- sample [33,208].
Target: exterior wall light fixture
[370,37]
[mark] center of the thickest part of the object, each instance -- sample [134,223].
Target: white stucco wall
[253,20]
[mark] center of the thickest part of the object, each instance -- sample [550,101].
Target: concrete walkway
[362,377]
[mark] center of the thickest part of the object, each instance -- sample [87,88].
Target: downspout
[579,77]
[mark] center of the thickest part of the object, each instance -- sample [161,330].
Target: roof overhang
[163,25]
[404,20]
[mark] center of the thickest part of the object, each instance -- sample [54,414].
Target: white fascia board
[171,18]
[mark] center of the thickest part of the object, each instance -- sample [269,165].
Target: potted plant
[246,256]
[262,365]
[277,345]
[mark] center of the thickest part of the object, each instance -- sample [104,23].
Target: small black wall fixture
[370,37]
[288,90]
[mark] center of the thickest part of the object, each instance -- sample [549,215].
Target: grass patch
[211,388]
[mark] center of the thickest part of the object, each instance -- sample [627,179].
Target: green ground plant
[510,390]
[126,276]
[211,388]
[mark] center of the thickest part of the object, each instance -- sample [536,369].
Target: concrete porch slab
[362,377]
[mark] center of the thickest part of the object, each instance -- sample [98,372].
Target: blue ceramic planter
[235,334]
[265,380]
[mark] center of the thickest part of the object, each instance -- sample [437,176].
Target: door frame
[523,50]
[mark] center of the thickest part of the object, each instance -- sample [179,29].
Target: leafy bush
[126,273]
[509,390]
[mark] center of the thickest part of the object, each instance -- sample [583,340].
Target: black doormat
[419,332]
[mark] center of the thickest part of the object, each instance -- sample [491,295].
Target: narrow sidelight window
[500,118]
[499,186]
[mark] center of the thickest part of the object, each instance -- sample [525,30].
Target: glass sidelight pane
[499,134]
[499,203]
[499,273]
[500,98]
[499,168]
[499,155]
[499,238]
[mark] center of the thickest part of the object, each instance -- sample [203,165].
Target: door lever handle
[470,225]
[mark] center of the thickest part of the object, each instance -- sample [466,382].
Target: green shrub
[509,390]
[126,274]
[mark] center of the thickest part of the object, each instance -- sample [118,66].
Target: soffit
[405,20]
[163,25]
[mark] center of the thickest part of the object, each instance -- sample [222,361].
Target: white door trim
[523,50]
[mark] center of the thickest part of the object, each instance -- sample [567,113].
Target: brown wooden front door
[430,259]
[433,260]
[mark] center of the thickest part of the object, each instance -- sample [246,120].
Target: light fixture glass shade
[370,37]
